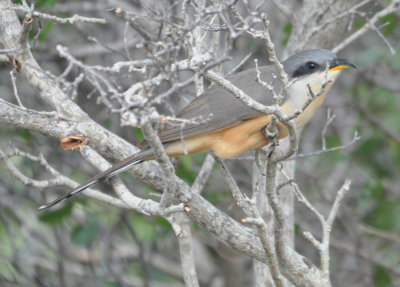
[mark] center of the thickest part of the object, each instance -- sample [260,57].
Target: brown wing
[218,109]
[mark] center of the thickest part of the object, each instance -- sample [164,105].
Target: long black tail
[114,170]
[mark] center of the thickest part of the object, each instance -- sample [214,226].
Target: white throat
[298,94]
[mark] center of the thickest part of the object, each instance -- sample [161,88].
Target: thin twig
[329,120]
[356,138]
[203,174]
[253,217]
[58,179]
[15,89]
[274,59]
[327,227]
[392,7]
[239,65]
[181,226]
[68,20]
[11,50]
[169,193]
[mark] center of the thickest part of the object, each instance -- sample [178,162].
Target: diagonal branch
[392,7]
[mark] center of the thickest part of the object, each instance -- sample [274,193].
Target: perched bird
[232,127]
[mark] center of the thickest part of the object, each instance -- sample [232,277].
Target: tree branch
[370,24]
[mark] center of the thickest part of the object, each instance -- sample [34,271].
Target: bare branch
[356,138]
[181,225]
[14,85]
[392,7]
[68,20]
[307,235]
[8,51]
[241,199]
[26,28]
[203,174]
[169,193]
[301,197]
[58,179]
[327,227]
[253,217]
[329,120]
[275,61]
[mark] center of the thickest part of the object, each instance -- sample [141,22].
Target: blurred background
[88,243]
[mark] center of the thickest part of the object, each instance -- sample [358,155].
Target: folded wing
[217,109]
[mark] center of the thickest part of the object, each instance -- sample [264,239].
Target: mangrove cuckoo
[232,127]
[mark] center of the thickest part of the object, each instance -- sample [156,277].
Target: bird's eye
[311,66]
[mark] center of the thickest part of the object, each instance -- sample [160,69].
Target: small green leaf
[187,161]
[332,141]
[297,229]
[382,277]
[287,31]
[26,136]
[185,169]
[390,22]
[162,222]
[55,216]
[45,32]
[45,3]
[359,23]
[138,134]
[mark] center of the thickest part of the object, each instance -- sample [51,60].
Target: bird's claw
[271,131]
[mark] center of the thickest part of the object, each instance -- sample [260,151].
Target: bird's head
[315,66]
[314,62]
